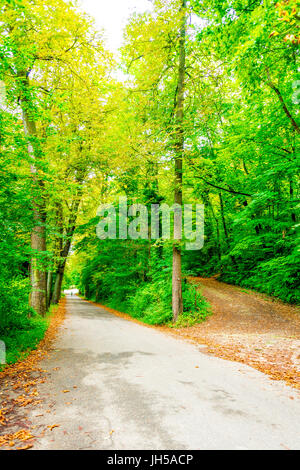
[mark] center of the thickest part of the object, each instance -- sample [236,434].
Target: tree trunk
[293,215]
[223,219]
[49,287]
[211,207]
[177,303]
[57,285]
[38,296]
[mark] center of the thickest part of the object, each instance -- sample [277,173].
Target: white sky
[112,16]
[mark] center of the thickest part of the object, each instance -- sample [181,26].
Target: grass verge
[22,338]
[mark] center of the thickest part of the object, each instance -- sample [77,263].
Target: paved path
[138,388]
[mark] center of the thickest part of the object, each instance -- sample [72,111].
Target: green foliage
[97,138]
[278,277]
[142,287]
[152,302]
[54,76]
[247,169]
[20,328]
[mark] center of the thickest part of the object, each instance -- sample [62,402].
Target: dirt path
[250,328]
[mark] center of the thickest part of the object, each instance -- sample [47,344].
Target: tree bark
[223,219]
[49,287]
[293,215]
[57,285]
[38,296]
[177,302]
[214,217]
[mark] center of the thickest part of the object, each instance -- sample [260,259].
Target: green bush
[21,328]
[277,277]
[152,303]
[140,286]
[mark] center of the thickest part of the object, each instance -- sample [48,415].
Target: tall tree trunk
[293,215]
[223,219]
[177,303]
[38,296]
[58,250]
[211,207]
[57,284]
[49,287]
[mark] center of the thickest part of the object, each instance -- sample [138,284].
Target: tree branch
[222,189]
[284,106]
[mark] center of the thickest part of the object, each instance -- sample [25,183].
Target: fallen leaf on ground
[53,426]
[25,447]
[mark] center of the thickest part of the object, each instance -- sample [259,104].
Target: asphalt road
[132,387]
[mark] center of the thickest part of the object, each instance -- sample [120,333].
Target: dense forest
[201,106]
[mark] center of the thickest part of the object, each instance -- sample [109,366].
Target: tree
[179,152]
[38,53]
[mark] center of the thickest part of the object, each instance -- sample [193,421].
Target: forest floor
[251,328]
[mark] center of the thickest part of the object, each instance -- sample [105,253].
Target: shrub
[21,328]
[152,303]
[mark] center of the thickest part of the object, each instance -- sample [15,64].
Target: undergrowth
[151,302]
[21,329]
